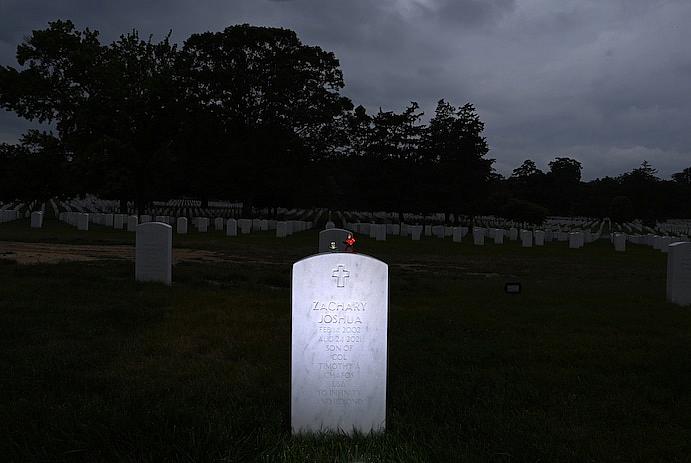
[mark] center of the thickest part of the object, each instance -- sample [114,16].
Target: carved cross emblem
[340,274]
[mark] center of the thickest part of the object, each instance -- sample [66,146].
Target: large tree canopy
[253,114]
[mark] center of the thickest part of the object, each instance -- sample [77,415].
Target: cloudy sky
[607,82]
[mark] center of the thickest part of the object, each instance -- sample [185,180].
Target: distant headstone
[281,229]
[380,234]
[438,231]
[478,237]
[36,219]
[231,227]
[513,234]
[329,225]
[526,238]
[203,224]
[456,235]
[108,220]
[132,222]
[144,218]
[245,226]
[619,242]
[498,235]
[679,273]
[218,224]
[539,237]
[415,232]
[339,344]
[181,225]
[154,253]
[573,240]
[118,221]
[334,240]
[83,221]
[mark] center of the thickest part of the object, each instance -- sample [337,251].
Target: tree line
[253,114]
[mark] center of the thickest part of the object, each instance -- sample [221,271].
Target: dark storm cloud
[607,82]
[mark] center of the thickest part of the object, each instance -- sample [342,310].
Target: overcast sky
[604,81]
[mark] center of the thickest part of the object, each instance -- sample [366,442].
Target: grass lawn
[587,364]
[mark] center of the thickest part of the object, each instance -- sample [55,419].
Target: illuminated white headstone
[339,343]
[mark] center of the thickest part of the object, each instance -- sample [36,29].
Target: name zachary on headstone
[339,343]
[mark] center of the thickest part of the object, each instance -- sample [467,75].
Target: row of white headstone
[528,238]
[231,226]
[9,215]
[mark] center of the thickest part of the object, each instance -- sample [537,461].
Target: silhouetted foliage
[253,114]
[621,209]
[524,211]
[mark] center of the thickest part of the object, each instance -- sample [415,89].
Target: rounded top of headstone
[157,225]
[335,240]
[339,255]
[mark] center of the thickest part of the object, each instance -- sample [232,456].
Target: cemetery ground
[588,363]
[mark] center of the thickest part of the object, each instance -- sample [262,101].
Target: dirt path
[50,253]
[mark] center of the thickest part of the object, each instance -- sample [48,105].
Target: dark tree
[526,170]
[113,107]
[528,182]
[276,99]
[456,145]
[564,186]
[524,211]
[683,177]
[621,210]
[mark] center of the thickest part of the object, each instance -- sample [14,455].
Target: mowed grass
[587,364]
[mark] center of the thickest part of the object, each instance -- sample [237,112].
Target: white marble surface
[245,226]
[526,238]
[539,237]
[231,227]
[181,225]
[83,222]
[679,273]
[154,252]
[478,237]
[339,343]
[132,222]
[619,242]
[36,219]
